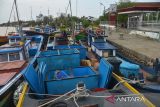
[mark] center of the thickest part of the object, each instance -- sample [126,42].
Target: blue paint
[105,69]
[127,68]
[10,50]
[60,59]
[82,49]
[33,80]
[80,74]
[104,46]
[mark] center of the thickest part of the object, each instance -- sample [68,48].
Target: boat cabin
[96,38]
[103,49]
[13,51]
[13,56]
[53,41]
[38,29]
[48,29]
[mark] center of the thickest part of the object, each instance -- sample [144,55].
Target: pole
[19,24]
[76,7]
[104,8]
[71,17]
[15,2]
[31,13]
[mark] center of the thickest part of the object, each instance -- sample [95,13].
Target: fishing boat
[57,79]
[14,57]
[46,32]
[150,75]
[104,49]
[3,40]
[132,72]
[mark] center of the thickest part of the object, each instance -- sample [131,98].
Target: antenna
[70,7]
[14,15]
[20,27]
[48,11]
[31,13]
[76,7]
[15,2]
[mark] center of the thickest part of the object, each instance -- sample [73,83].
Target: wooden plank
[12,65]
[5,77]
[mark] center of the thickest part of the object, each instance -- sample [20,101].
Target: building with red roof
[141,13]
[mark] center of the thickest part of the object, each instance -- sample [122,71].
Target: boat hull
[6,98]
[3,40]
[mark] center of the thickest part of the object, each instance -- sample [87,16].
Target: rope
[9,18]
[80,92]
[95,96]
[132,81]
[40,94]
[117,84]
[56,98]
[75,101]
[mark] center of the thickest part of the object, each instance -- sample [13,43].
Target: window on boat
[3,57]
[51,39]
[18,39]
[12,40]
[14,56]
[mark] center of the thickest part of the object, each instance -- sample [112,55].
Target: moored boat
[59,80]
[14,58]
[103,49]
[3,40]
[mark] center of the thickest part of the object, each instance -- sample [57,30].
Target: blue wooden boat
[49,30]
[103,49]
[14,57]
[46,29]
[57,75]
[130,69]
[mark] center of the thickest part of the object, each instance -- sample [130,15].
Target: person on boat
[157,65]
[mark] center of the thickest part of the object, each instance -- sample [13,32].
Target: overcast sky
[84,7]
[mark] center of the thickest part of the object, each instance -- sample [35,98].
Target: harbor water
[5,30]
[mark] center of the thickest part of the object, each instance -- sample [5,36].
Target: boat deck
[9,69]
[5,77]
[108,101]
[142,45]
[12,66]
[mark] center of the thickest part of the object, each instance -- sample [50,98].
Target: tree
[104,17]
[122,18]
[125,4]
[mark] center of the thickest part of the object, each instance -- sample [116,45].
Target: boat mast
[20,33]
[31,14]
[72,28]
[9,18]
[19,24]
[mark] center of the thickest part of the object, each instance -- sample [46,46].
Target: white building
[40,17]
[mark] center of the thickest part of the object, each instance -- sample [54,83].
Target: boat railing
[4,47]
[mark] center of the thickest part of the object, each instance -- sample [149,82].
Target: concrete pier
[141,49]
